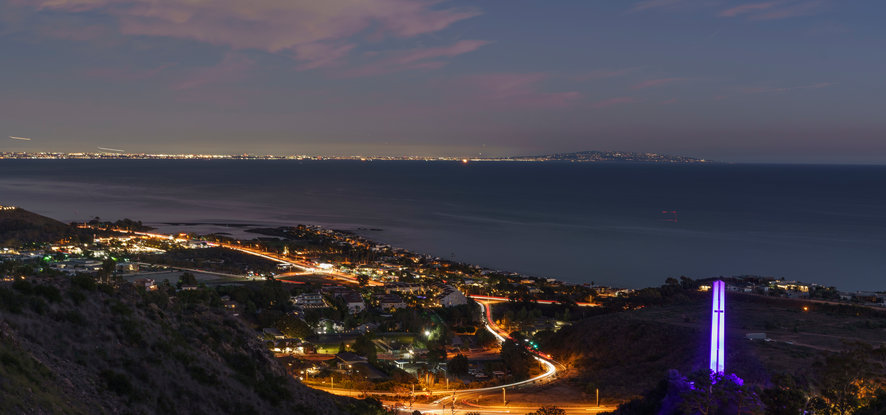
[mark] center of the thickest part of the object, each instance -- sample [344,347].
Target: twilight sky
[777,80]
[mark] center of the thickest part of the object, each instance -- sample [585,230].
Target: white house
[309,300]
[449,297]
[391,301]
[354,302]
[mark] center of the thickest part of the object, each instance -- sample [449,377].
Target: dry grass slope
[74,347]
[627,353]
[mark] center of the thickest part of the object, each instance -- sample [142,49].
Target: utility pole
[504,397]
[598,396]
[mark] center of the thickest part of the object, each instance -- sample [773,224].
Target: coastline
[577,222]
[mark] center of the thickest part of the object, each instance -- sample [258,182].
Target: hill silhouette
[19,226]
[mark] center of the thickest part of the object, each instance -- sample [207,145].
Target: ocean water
[576,222]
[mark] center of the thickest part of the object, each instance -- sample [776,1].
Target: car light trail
[550,367]
[492,298]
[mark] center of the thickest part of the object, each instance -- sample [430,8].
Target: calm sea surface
[576,222]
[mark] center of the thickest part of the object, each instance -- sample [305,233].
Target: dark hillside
[625,356]
[69,346]
[627,353]
[19,226]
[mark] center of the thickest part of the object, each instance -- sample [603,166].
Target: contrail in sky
[20,138]
[111,149]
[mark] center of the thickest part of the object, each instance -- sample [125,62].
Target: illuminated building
[718,314]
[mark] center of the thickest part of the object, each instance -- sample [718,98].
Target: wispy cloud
[796,9]
[747,8]
[657,82]
[517,89]
[321,54]
[603,74]
[615,101]
[232,68]
[776,10]
[773,90]
[759,10]
[317,33]
[421,58]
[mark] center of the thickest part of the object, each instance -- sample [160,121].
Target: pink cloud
[747,8]
[320,55]
[669,101]
[657,82]
[775,10]
[615,101]
[303,27]
[415,18]
[516,89]
[425,58]
[759,10]
[603,74]
[805,8]
[460,47]
[506,85]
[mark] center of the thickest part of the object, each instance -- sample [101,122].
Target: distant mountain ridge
[597,156]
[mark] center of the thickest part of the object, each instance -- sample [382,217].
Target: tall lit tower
[718,327]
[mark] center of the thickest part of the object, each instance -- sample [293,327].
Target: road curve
[550,366]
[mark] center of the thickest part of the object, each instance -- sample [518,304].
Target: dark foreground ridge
[76,347]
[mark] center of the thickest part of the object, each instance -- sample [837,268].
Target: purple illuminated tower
[717,327]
